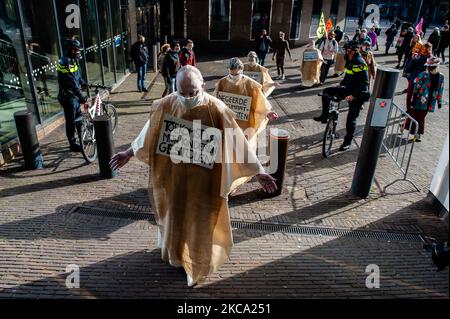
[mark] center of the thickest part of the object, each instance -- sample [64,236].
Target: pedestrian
[339,34]
[398,23]
[140,55]
[329,49]
[413,68]
[434,39]
[357,35]
[415,46]
[367,55]
[282,46]
[390,35]
[70,95]
[190,202]
[169,67]
[378,33]
[428,92]
[263,45]
[260,111]
[161,55]
[259,73]
[187,55]
[402,46]
[373,37]
[363,37]
[360,21]
[443,43]
[354,89]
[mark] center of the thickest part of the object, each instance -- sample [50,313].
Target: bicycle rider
[354,89]
[70,95]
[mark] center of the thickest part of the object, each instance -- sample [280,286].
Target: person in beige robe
[260,110]
[190,201]
[259,73]
[310,70]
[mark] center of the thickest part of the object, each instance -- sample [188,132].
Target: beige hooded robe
[311,69]
[260,106]
[266,80]
[190,201]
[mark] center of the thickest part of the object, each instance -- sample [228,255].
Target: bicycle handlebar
[98,86]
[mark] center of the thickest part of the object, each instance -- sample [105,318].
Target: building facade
[32,35]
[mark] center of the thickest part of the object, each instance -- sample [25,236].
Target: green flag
[321,30]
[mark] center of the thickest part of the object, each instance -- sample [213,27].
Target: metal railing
[397,143]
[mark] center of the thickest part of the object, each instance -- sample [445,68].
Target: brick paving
[40,234]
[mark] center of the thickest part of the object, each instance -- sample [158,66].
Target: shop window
[296,19]
[219,20]
[261,16]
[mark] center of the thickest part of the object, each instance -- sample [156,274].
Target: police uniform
[70,95]
[356,84]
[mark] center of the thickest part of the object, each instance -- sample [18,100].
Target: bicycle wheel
[110,110]
[88,142]
[328,138]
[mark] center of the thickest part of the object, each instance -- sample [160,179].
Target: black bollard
[279,140]
[105,145]
[26,130]
[380,106]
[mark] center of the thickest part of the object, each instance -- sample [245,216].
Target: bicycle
[330,131]
[86,132]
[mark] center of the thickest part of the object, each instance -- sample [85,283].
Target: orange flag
[329,25]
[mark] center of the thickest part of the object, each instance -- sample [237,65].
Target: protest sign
[239,104]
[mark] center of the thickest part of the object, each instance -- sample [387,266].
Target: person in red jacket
[187,55]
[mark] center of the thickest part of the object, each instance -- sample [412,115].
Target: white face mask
[252,63]
[191,102]
[235,78]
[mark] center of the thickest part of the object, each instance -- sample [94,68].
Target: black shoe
[321,119]
[144,90]
[344,147]
[76,148]
[139,89]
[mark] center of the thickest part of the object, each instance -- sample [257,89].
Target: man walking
[140,55]
[281,47]
[263,44]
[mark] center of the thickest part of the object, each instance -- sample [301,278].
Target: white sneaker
[283,77]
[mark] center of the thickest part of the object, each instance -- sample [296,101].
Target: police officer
[354,89]
[70,95]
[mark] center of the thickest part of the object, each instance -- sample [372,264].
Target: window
[261,15]
[118,37]
[296,19]
[334,11]
[106,45]
[315,19]
[87,8]
[42,43]
[15,93]
[219,20]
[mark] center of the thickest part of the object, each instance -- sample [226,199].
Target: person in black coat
[435,39]
[390,35]
[263,45]
[443,44]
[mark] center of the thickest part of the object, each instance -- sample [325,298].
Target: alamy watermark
[373,279]
[73,279]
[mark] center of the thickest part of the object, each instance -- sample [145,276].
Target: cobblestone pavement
[41,230]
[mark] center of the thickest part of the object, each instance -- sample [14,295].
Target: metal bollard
[155,58]
[105,145]
[26,131]
[279,140]
[158,45]
[380,107]
[165,39]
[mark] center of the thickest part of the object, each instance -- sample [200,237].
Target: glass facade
[261,15]
[315,18]
[296,19]
[32,40]
[15,93]
[219,20]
